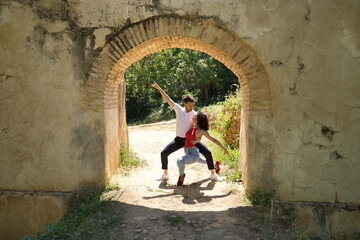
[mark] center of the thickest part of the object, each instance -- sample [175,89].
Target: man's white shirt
[183,120]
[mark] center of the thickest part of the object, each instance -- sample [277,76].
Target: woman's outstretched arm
[217,142]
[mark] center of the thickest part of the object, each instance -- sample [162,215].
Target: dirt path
[200,209]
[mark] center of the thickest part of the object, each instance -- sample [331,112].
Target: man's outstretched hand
[164,95]
[155,85]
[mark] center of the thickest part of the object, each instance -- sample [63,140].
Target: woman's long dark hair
[202,121]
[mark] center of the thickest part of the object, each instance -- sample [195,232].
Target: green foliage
[174,219]
[225,115]
[357,235]
[218,154]
[129,159]
[261,197]
[301,236]
[84,204]
[231,104]
[99,227]
[234,177]
[231,161]
[224,122]
[178,71]
[233,100]
[111,186]
[289,212]
[255,227]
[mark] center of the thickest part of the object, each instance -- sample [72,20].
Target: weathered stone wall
[311,52]
[305,146]
[48,143]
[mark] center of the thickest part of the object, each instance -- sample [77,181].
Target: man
[184,122]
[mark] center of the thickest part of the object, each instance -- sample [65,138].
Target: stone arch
[105,87]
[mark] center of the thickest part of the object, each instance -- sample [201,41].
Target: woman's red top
[190,135]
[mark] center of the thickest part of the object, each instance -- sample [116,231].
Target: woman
[200,128]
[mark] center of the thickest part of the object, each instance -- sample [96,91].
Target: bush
[224,117]
[129,159]
[261,197]
[235,177]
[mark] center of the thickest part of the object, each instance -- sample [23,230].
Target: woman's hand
[226,152]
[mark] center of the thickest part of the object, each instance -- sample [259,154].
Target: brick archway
[105,87]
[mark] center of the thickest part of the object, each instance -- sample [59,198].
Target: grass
[234,177]
[99,226]
[231,162]
[174,219]
[129,159]
[357,235]
[266,224]
[87,202]
[111,186]
[255,227]
[289,212]
[88,206]
[261,197]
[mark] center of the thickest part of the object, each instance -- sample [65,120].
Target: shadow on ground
[192,193]
[127,221]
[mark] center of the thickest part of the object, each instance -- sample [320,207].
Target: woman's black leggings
[178,143]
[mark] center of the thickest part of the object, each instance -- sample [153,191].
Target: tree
[178,71]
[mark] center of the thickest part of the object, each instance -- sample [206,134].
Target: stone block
[326,220]
[100,35]
[27,214]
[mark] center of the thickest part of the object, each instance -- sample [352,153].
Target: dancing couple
[190,127]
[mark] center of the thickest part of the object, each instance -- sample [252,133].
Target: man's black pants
[178,143]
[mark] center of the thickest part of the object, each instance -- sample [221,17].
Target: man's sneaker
[215,177]
[217,166]
[163,177]
[181,180]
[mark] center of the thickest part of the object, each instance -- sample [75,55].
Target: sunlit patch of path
[198,193]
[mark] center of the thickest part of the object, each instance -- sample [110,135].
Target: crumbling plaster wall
[311,52]
[48,142]
[312,60]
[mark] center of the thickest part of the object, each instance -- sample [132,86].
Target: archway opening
[156,34]
[156,45]
[181,71]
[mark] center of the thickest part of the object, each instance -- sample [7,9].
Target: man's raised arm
[164,95]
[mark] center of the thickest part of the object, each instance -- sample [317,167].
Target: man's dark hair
[188,98]
[202,120]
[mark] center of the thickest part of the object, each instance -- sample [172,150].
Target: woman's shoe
[181,180]
[217,166]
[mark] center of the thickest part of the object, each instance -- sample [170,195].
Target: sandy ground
[198,190]
[205,209]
